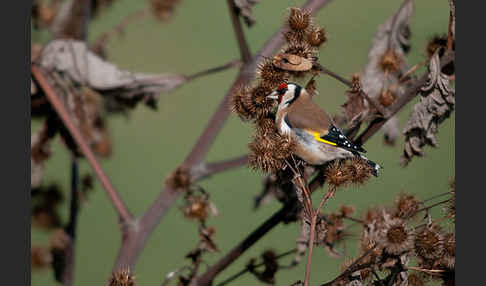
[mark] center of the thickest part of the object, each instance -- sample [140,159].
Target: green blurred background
[149,144]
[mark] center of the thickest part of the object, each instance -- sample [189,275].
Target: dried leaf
[123,87]
[292,62]
[437,101]
[244,9]
[390,44]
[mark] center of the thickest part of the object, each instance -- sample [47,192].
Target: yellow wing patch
[318,138]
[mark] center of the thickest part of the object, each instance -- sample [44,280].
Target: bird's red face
[281,90]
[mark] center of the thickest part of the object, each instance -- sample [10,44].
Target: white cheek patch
[284,128]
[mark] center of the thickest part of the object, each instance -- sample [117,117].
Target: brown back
[306,114]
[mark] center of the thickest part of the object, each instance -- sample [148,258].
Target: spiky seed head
[359,170]
[416,279]
[122,277]
[390,61]
[298,48]
[449,255]
[406,206]
[241,103]
[271,74]
[428,243]
[316,36]
[396,237]
[336,175]
[299,19]
[387,97]
[180,179]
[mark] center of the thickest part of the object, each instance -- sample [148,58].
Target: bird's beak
[273,95]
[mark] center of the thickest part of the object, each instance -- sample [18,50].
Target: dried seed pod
[390,61]
[449,255]
[271,74]
[428,243]
[180,179]
[317,36]
[298,19]
[395,237]
[406,206]
[387,97]
[292,62]
[122,277]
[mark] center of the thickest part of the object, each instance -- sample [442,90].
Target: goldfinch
[318,139]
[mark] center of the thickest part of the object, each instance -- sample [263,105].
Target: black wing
[336,136]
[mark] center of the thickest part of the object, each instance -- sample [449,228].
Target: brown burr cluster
[269,150]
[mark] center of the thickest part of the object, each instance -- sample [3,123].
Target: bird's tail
[376,167]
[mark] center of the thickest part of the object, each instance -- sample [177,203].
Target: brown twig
[68,269]
[238,274]
[223,67]
[312,234]
[452,23]
[123,213]
[240,35]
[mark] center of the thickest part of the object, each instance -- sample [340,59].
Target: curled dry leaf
[123,87]
[244,9]
[292,62]
[386,62]
[437,101]
[71,20]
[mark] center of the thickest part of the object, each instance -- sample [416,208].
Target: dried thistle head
[241,103]
[387,97]
[390,61]
[406,206]
[359,170]
[428,243]
[180,179]
[395,236]
[448,258]
[316,36]
[260,105]
[336,175]
[122,277]
[299,19]
[268,151]
[271,74]
[40,257]
[301,49]
[163,9]
[435,42]
[198,206]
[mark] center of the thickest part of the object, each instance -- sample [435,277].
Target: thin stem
[324,200]
[228,65]
[209,169]
[452,24]
[68,270]
[436,196]
[243,271]
[240,35]
[73,129]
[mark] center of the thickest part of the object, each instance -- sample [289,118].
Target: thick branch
[121,209]
[134,241]
[240,35]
